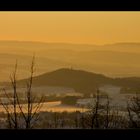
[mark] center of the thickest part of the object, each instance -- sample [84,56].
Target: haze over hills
[113,60]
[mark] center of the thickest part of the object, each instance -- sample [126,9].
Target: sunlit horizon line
[74,43]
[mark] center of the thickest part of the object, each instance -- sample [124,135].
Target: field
[51,107]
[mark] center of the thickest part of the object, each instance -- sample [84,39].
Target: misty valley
[71,98]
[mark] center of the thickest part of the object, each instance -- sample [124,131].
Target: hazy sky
[73,27]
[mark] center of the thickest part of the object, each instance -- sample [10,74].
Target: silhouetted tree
[32,114]
[133,108]
[12,114]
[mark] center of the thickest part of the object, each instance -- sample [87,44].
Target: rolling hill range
[113,60]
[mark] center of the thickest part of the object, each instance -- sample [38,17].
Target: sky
[71,27]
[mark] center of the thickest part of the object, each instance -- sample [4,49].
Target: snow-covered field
[117,99]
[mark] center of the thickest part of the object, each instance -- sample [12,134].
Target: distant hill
[81,81]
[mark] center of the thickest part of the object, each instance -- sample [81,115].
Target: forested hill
[81,81]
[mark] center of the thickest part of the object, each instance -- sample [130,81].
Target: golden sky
[71,27]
